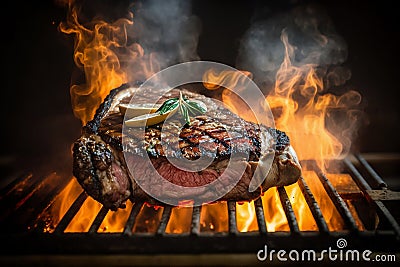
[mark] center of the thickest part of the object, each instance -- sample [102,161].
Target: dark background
[39,125]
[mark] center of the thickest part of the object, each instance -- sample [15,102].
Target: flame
[300,105]
[66,198]
[328,209]
[103,53]
[246,217]
[306,119]
[60,206]
[81,222]
[115,220]
[180,220]
[148,219]
[274,214]
[84,218]
[214,217]
[227,78]
[231,79]
[301,210]
[301,108]
[299,102]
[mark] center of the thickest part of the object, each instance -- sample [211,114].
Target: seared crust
[99,163]
[92,126]
[218,130]
[98,169]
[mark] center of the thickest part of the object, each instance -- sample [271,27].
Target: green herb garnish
[186,107]
[168,105]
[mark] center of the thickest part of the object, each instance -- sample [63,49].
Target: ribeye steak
[101,154]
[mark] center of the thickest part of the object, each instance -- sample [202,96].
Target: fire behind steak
[100,165]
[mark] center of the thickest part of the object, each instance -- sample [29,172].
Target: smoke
[119,43]
[167,30]
[312,35]
[297,60]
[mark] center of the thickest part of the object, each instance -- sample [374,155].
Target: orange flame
[301,109]
[148,219]
[214,217]
[103,53]
[81,222]
[307,119]
[274,214]
[180,220]
[84,218]
[231,79]
[227,78]
[94,54]
[328,209]
[115,220]
[246,217]
[62,202]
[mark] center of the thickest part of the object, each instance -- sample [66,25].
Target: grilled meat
[100,164]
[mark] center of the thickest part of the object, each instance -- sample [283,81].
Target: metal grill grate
[23,201]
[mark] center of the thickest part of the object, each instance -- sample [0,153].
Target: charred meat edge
[94,159]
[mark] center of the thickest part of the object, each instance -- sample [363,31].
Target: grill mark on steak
[211,132]
[101,169]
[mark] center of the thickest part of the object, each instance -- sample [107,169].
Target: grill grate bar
[287,207]
[62,225]
[98,220]
[232,217]
[377,179]
[195,226]
[338,202]
[16,191]
[389,217]
[313,205]
[360,181]
[164,220]
[258,206]
[365,187]
[132,218]
[17,186]
[29,196]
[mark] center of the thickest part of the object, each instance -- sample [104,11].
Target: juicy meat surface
[100,165]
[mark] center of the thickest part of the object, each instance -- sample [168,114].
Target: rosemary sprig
[186,107]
